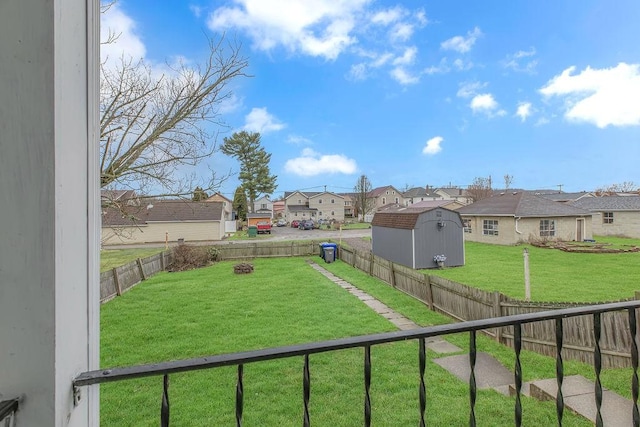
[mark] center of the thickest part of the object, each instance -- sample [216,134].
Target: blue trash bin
[329,251]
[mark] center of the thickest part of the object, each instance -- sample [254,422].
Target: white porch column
[49,211]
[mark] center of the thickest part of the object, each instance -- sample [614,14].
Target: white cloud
[358,72]
[407,58]
[442,67]
[460,43]
[469,89]
[485,103]
[312,163]
[299,140]
[388,16]
[524,110]
[461,65]
[603,97]
[260,120]
[314,27]
[403,77]
[196,10]
[116,23]
[401,32]
[433,146]
[519,62]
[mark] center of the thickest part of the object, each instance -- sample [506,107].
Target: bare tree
[508,180]
[623,187]
[480,188]
[154,127]
[363,201]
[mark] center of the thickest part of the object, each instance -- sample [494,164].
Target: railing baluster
[472,378]
[633,328]
[239,396]
[517,341]
[597,363]
[306,390]
[164,408]
[367,385]
[559,371]
[422,356]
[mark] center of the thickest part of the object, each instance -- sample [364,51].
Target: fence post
[353,257]
[116,280]
[162,266]
[497,312]
[371,264]
[427,284]
[142,276]
[393,274]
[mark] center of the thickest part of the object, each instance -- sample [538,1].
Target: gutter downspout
[518,219]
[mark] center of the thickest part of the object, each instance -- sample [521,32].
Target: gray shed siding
[415,248]
[393,244]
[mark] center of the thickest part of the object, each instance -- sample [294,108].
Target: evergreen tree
[255,174]
[240,203]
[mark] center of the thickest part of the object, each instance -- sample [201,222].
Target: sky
[415,93]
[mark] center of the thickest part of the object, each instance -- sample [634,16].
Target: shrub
[187,257]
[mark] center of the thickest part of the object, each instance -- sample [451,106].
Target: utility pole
[560,188]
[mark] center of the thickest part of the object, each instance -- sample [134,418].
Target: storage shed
[414,236]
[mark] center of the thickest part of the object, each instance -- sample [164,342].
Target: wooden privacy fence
[120,279]
[463,302]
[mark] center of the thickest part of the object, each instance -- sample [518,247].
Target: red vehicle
[295,223]
[264,227]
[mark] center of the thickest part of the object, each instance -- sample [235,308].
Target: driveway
[277,233]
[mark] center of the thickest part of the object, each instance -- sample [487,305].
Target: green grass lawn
[356,226]
[555,275]
[110,258]
[213,311]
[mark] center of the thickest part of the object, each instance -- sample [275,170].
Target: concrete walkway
[578,392]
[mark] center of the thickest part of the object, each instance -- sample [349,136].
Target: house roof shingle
[609,203]
[402,217]
[162,211]
[521,204]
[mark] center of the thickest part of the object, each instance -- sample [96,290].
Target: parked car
[306,225]
[295,223]
[281,222]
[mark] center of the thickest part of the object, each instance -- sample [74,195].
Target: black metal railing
[8,409]
[420,334]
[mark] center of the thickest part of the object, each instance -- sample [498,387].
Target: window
[320,201]
[490,227]
[333,213]
[295,214]
[547,228]
[333,200]
[299,201]
[607,217]
[384,200]
[319,213]
[397,200]
[263,206]
[466,223]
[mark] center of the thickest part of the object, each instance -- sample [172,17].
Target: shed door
[579,228]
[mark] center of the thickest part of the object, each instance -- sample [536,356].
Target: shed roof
[162,211]
[521,204]
[403,218]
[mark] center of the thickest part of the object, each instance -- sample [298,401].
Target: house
[382,196]
[278,209]
[227,204]
[419,194]
[613,215]
[263,205]
[163,220]
[514,217]
[454,193]
[414,236]
[349,204]
[314,205]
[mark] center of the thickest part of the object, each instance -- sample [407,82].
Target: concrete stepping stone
[489,372]
[441,346]
[579,397]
